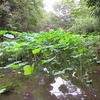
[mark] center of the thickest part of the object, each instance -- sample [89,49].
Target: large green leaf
[13,66]
[2,32]
[2,90]
[1,53]
[47,53]
[35,51]
[6,87]
[9,36]
[16,65]
[28,69]
[47,61]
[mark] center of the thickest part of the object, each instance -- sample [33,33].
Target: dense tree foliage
[61,15]
[28,15]
[14,14]
[95,4]
[84,22]
[72,17]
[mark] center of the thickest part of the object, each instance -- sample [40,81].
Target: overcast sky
[49,3]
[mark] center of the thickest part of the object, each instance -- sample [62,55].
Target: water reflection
[58,82]
[47,87]
[64,88]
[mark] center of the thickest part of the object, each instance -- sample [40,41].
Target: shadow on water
[46,87]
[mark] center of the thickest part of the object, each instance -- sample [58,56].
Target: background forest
[29,15]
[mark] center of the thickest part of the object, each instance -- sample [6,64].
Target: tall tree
[95,4]
[61,16]
[15,13]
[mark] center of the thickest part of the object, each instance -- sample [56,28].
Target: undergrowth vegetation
[54,51]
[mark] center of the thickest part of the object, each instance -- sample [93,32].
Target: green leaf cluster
[55,50]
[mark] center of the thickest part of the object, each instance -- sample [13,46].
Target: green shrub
[84,25]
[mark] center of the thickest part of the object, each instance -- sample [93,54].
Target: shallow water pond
[48,87]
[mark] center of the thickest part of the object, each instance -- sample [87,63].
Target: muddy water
[46,87]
